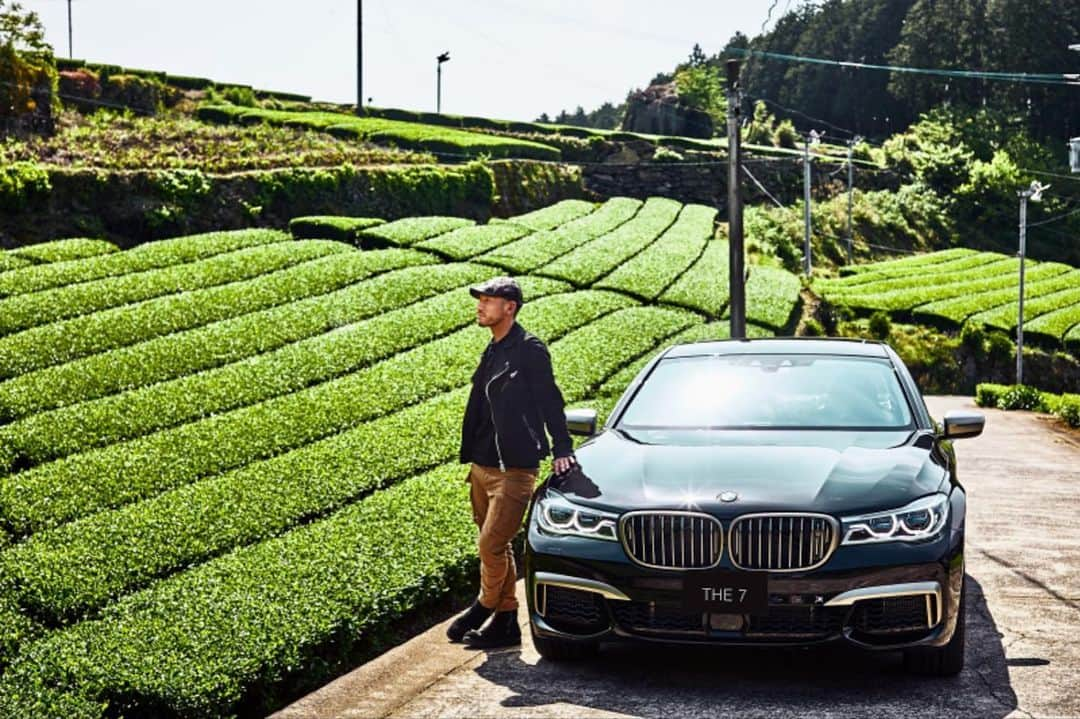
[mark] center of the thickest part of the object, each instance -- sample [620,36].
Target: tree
[697,57]
[701,88]
[28,78]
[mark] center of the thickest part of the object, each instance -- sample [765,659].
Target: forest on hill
[1021,36]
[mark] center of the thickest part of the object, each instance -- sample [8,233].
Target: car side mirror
[962,423]
[581,421]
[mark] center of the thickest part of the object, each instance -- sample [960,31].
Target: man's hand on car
[561,464]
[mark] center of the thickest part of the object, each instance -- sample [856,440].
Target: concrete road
[1023,643]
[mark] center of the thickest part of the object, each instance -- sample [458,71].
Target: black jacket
[524,398]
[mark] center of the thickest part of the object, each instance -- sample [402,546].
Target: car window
[760,390]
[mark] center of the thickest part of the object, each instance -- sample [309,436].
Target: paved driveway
[1023,644]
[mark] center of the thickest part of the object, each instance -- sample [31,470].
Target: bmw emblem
[727,496]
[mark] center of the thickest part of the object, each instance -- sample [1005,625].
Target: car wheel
[943,661]
[558,650]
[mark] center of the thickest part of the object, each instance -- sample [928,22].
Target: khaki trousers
[499,500]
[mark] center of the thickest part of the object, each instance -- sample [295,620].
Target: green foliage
[1003,396]
[954,287]
[24,311]
[411,230]
[880,327]
[703,287]
[144,95]
[396,133]
[240,95]
[342,229]
[74,248]
[813,328]
[650,272]
[552,216]
[132,346]
[1021,397]
[466,242]
[587,263]
[537,249]
[116,141]
[113,552]
[143,257]
[700,87]
[22,183]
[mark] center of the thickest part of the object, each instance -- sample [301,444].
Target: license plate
[727,592]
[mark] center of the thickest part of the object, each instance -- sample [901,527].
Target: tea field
[951,287]
[228,460]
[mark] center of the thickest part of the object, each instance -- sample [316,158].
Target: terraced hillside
[228,461]
[951,287]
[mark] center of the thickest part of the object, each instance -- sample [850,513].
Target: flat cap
[499,287]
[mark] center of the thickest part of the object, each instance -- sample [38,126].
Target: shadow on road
[653,679]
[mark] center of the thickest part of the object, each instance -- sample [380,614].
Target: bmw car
[781,491]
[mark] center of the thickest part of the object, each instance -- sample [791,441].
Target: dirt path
[1023,653]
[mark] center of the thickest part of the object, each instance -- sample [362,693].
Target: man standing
[513,397]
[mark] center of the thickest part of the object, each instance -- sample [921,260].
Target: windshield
[754,391]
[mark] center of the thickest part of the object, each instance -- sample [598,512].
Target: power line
[1055,218]
[1045,78]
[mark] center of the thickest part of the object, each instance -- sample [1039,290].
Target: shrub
[1068,408]
[880,327]
[143,257]
[586,264]
[73,248]
[650,272]
[22,183]
[115,551]
[240,95]
[813,328]
[93,355]
[539,248]
[342,229]
[31,310]
[987,393]
[1021,397]
[142,94]
[81,88]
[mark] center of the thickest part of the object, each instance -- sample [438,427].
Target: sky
[511,59]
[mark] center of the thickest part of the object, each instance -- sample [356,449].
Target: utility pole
[812,138]
[850,190]
[359,57]
[736,271]
[438,80]
[71,47]
[1034,192]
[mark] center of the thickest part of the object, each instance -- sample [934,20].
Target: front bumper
[884,597]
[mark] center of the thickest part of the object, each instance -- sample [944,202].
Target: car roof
[782,345]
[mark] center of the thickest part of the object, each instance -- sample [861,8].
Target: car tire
[559,650]
[945,661]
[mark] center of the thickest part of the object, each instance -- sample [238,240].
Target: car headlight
[922,519]
[558,515]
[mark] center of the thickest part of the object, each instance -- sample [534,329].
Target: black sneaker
[471,618]
[501,631]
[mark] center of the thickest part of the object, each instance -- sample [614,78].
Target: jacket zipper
[531,433]
[502,467]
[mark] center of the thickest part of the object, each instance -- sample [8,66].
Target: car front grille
[651,617]
[782,542]
[892,615]
[797,622]
[672,539]
[573,610]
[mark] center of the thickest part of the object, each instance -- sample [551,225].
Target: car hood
[834,472]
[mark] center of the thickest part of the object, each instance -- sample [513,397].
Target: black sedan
[768,491]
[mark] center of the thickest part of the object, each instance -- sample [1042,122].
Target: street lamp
[1034,193]
[438,79]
